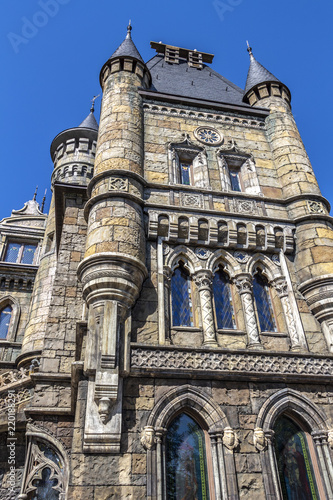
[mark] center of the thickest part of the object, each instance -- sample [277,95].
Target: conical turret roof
[127,48]
[257,74]
[89,121]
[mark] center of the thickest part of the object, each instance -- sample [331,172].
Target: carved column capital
[330,438]
[203,279]
[243,283]
[260,441]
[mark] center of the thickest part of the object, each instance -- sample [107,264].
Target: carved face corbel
[104,406]
[330,438]
[230,439]
[259,439]
[148,437]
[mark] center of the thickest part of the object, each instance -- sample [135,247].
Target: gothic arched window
[263,303]
[295,457]
[181,297]
[186,462]
[224,310]
[5,317]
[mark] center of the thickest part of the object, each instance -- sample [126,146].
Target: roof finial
[249,49]
[129,29]
[43,201]
[93,103]
[34,198]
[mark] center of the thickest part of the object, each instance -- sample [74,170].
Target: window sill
[274,334]
[186,328]
[230,332]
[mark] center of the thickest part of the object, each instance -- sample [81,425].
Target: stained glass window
[20,253]
[5,317]
[294,462]
[224,311]
[181,298]
[234,179]
[263,304]
[186,465]
[45,487]
[185,172]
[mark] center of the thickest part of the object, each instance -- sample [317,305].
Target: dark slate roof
[183,80]
[89,122]
[127,48]
[257,74]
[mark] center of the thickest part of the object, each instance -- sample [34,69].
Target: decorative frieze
[224,363]
[217,118]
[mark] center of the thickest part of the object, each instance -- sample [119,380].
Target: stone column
[167,273]
[321,444]
[203,281]
[244,287]
[281,286]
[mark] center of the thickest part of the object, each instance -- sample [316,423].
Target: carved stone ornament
[104,405]
[208,135]
[146,359]
[244,284]
[316,207]
[246,206]
[191,200]
[241,257]
[203,253]
[330,438]
[203,280]
[118,184]
[166,249]
[230,439]
[147,438]
[259,439]
[11,377]
[276,259]
[281,287]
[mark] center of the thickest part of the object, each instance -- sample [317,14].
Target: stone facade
[98,366]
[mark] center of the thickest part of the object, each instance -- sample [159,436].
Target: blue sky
[53,50]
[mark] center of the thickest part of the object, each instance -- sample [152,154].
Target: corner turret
[73,152]
[261,83]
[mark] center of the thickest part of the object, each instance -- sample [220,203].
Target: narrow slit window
[224,310]
[186,173]
[5,317]
[263,304]
[181,298]
[234,180]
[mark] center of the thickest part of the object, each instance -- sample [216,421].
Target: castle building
[166,330]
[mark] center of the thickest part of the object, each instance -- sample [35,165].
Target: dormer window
[172,55]
[188,164]
[20,253]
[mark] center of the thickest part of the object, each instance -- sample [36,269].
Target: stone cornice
[227,364]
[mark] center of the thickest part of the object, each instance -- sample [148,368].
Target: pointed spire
[129,29]
[35,194]
[90,120]
[127,48]
[257,73]
[43,201]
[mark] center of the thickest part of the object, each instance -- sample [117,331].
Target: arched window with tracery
[296,461]
[263,303]
[224,309]
[186,460]
[5,318]
[181,297]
